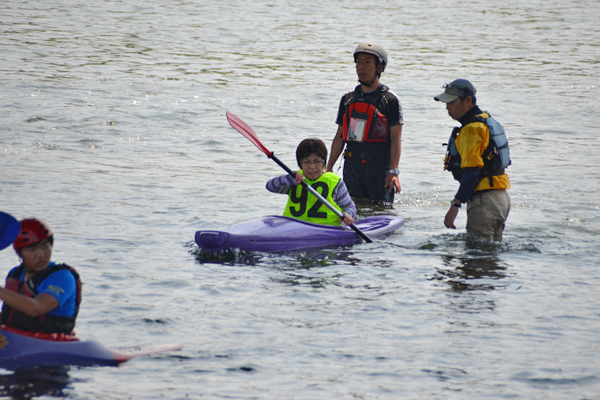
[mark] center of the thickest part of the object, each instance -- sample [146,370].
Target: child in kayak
[40,295]
[311,155]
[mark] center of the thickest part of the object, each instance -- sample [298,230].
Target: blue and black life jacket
[496,156]
[44,323]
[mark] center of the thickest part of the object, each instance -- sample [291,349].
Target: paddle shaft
[318,196]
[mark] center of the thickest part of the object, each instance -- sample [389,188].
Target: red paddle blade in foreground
[245,130]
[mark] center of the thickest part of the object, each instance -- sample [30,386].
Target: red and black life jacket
[362,121]
[44,323]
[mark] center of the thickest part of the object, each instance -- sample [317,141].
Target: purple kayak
[276,233]
[20,350]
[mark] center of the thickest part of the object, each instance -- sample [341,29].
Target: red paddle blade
[245,130]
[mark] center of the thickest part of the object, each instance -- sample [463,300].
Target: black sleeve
[341,111]
[394,110]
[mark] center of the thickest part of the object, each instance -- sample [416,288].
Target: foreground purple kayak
[20,350]
[276,233]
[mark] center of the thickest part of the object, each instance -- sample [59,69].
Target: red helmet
[33,230]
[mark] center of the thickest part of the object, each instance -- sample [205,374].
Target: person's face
[366,67]
[459,107]
[36,258]
[312,166]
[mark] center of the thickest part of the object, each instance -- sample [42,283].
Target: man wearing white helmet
[370,128]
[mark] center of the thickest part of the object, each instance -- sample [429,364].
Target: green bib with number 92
[303,205]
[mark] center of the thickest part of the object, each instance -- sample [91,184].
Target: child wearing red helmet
[39,295]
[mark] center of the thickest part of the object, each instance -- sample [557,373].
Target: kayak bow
[19,349]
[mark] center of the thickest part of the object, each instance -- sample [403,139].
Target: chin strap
[368,84]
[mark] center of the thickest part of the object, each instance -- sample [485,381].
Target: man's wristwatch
[394,171]
[455,204]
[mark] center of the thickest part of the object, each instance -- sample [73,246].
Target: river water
[113,130]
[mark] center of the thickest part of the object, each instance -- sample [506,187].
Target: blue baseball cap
[455,89]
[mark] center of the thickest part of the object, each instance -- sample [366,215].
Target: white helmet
[374,49]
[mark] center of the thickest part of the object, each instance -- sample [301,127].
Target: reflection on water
[467,273]
[307,267]
[469,263]
[34,382]
[294,268]
[292,279]
[225,257]
[294,259]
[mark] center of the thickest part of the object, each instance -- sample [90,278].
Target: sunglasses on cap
[458,90]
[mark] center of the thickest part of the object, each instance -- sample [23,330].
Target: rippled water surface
[113,130]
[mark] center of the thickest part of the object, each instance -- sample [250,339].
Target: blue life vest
[44,323]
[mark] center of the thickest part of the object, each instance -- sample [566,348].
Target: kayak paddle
[245,130]
[9,229]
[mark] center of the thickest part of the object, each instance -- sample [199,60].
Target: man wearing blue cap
[477,156]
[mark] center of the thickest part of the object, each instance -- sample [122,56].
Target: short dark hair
[473,98]
[309,146]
